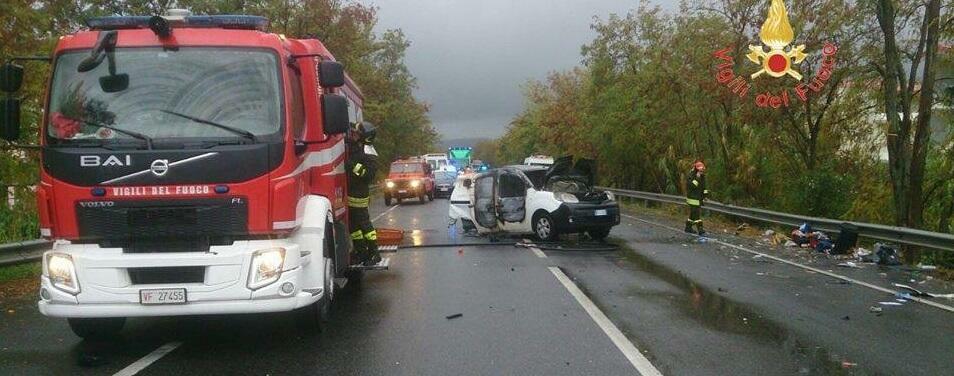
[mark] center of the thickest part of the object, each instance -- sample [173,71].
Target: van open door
[511,197]
[485,202]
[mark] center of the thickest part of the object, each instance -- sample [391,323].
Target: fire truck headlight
[60,270]
[389,184]
[415,183]
[266,267]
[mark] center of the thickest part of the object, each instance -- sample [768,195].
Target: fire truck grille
[178,274]
[179,219]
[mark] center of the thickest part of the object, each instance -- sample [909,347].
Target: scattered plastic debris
[848,264]
[768,233]
[847,364]
[454,316]
[890,303]
[791,244]
[927,267]
[875,309]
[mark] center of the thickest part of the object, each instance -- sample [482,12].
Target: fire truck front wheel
[315,317]
[387,199]
[97,328]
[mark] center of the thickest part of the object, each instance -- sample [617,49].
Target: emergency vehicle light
[217,21]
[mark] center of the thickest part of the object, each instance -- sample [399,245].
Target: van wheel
[421,197]
[399,201]
[97,328]
[544,228]
[387,200]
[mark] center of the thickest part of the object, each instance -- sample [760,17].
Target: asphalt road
[689,308]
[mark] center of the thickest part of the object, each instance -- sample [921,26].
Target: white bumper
[107,289]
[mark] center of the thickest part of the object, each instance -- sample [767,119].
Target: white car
[460,201]
[545,202]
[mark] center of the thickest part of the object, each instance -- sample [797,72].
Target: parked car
[444,180]
[459,208]
[409,178]
[543,201]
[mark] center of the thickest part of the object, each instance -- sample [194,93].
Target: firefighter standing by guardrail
[696,194]
[361,166]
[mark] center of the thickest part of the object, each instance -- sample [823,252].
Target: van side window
[297,105]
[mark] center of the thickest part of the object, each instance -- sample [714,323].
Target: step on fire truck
[191,165]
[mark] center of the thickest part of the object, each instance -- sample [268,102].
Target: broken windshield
[236,88]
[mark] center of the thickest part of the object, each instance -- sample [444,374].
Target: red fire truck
[190,165]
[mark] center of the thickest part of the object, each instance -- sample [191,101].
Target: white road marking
[636,358]
[141,364]
[535,250]
[385,212]
[806,267]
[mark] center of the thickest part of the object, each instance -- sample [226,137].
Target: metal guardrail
[21,252]
[902,235]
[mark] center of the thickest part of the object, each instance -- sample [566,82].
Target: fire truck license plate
[162,296]
[402,191]
[600,213]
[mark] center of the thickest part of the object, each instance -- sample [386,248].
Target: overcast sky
[471,57]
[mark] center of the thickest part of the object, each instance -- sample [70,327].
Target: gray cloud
[471,57]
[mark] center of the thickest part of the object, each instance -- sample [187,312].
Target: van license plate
[402,191]
[162,296]
[600,213]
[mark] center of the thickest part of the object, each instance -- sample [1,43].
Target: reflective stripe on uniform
[359,169]
[693,202]
[695,182]
[356,235]
[371,235]
[357,202]
[705,191]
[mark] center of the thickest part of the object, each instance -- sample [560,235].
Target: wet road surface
[690,308]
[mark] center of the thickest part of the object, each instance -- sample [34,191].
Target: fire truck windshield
[234,90]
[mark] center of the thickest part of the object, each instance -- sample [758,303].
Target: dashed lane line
[385,212]
[636,358]
[806,267]
[150,358]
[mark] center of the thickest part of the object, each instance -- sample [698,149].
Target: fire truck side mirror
[334,110]
[10,119]
[11,77]
[331,74]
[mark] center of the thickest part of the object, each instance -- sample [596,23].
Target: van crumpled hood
[584,169]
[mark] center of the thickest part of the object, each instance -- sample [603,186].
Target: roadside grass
[20,271]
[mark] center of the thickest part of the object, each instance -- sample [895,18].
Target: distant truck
[192,165]
[538,160]
[460,157]
[438,161]
[409,178]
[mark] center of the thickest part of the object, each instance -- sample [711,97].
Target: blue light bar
[217,21]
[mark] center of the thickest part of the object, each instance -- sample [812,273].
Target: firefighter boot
[360,252]
[373,256]
[701,231]
[689,227]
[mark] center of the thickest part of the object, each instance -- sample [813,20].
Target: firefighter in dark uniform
[361,166]
[696,194]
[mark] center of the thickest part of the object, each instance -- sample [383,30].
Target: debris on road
[454,316]
[875,309]
[848,264]
[890,303]
[915,292]
[927,267]
[847,364]
[886,255]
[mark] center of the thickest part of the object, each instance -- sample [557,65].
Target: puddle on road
[717,312]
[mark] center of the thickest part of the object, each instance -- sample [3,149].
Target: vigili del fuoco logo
[777,58]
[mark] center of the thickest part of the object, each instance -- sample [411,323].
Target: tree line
[375,60]
[871,141]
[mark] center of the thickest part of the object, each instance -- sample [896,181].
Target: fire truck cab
[191,165]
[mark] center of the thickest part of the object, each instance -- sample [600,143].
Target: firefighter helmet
[366,131]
